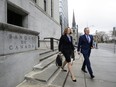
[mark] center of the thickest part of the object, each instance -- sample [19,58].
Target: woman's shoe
[74,80]
[63,69]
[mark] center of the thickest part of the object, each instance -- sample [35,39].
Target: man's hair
[86,28]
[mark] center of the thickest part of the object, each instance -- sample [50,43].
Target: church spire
[73,21]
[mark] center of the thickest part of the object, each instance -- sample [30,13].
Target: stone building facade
[37,15]
[21,22]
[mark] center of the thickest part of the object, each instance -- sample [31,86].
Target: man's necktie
[88,38]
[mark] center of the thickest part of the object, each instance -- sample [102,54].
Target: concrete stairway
[46,73]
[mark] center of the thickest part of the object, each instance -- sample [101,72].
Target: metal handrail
[52,42]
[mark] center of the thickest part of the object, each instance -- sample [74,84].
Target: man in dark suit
[85,45]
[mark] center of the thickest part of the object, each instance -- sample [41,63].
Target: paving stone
[80,82]
[100,83]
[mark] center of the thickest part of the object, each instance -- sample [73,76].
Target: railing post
[52,43]
[52,47]
[38,41]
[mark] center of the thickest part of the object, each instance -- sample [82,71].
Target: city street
[107,46]
[103,62]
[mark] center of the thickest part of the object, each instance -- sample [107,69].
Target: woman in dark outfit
[66,47]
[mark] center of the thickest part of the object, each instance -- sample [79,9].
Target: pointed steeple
[73,21]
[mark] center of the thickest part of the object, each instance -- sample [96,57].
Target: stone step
[44,51]
[60,79]
[43,64]
[46,55]
[43,75]
[47,74]
[34,84]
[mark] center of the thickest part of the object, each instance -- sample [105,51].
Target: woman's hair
[66,30]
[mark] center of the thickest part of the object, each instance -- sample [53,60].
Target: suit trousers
[87,63]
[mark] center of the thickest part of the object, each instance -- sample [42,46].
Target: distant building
[75,30]
[63,7]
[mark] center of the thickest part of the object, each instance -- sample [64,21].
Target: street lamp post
[114,37]
[77,34]
[96,40]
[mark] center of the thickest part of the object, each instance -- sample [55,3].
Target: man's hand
[92,47]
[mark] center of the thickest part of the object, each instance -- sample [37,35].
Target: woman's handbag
[59,60]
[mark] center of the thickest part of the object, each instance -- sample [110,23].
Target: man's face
[87,31]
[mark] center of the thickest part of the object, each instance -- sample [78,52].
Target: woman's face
[69,31]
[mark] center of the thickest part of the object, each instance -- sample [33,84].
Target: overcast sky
[99,15]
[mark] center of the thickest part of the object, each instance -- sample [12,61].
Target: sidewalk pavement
[103,63]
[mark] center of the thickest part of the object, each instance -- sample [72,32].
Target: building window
[16,16]
[44,5]
[51,8]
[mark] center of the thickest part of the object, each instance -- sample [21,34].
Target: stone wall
[16,39]
[18,53]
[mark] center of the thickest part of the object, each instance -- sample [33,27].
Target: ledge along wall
[18,53]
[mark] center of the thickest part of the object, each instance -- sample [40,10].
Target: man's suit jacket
[65,44]
[84,46]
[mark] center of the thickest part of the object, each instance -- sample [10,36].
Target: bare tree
[102,36]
